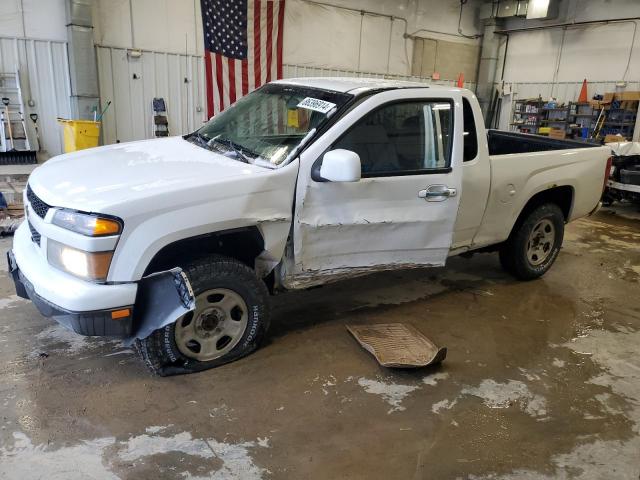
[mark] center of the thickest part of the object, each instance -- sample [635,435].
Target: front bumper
[117,322]
[84,307]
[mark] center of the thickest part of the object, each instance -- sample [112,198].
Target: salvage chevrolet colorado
[176,244]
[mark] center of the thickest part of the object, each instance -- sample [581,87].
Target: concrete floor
[542,380]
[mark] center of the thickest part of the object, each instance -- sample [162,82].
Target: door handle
[437,193]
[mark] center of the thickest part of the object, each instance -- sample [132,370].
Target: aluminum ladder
[14,141]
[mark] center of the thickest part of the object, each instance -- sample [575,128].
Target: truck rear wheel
[534,244]
[230,319]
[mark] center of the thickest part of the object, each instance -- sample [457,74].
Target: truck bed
[523,166]
[504,143]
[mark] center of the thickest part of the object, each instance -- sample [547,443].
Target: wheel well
[561,196]
[243,244]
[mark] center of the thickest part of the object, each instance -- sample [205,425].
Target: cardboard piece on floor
[397,345]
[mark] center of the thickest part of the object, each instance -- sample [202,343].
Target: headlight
[86,224]
[88,265]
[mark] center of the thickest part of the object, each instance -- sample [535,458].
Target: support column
[83,69]
[489,64]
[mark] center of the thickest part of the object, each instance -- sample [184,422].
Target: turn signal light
[118,314]
[87,224]
[104,226]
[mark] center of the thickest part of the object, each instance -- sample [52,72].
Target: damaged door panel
[394,216]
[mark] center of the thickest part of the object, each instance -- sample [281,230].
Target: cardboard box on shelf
[614,138]
[557,133]
[628,96]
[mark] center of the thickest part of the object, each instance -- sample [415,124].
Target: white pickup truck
[176,244]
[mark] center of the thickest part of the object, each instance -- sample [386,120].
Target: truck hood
[95,180]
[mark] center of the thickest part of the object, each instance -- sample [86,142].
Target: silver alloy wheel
[214,327]
[541,241]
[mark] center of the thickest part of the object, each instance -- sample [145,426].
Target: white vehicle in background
[177,243]
[624,180]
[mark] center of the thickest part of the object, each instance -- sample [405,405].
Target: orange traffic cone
[460,82]
[583,98]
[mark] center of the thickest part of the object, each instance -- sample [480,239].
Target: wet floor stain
[180,454]
[541,382]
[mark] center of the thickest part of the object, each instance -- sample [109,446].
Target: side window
[402,138]
[470,148]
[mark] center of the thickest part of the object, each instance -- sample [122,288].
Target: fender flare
[162,299]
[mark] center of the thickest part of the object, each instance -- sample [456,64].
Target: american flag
[243,47]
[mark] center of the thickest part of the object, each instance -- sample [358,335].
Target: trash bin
[79,134]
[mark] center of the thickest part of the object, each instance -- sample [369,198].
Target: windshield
[265,126]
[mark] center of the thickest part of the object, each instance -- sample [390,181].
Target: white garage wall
[598,52]
[324,36]
[41,19]
[176,78]
[328,37]
[33,40]
[594,52]
[169,32]
[553,62]
[171,26]
[170,35]
[315,35]
[295,71]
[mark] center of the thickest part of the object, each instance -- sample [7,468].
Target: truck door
[401,213]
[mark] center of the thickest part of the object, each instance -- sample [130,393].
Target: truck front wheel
[230,319]
[534,244]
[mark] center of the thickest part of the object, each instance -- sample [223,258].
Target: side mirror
[340,166]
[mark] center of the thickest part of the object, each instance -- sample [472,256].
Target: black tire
[513,253]
[159,350]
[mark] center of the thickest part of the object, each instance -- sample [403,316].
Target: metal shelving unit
[527,114]
[583,116]
[556,117]
[620,118]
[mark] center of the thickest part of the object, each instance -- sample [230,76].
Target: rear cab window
[470,142]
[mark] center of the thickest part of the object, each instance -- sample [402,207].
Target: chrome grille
[37,205]
[35,236]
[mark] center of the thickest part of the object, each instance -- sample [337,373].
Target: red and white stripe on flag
[228,79]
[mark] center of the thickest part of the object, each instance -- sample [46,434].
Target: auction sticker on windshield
[316,104]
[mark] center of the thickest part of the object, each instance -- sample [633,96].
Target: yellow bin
[79,134]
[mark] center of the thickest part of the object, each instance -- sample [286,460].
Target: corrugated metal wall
[44,73]
[292,71]
[179,79]
[131,84]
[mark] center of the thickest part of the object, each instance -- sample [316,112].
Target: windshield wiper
[235,147]
[201,139]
